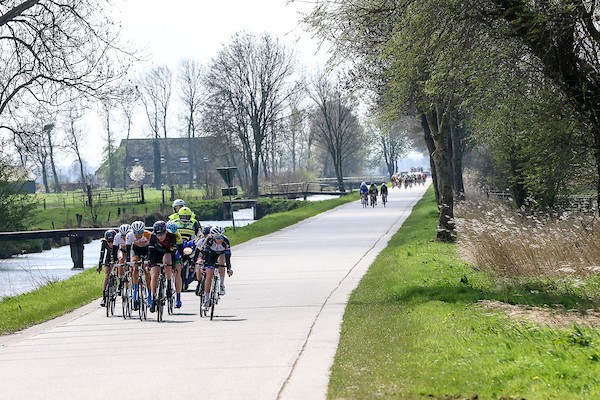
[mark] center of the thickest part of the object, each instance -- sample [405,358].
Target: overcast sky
[197,29]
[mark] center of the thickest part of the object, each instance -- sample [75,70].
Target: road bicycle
[214,296]
[201,293]
[126,298]
[373,199]
[165,294]
[142,294]
[111,291]
[364,200]
[187,265]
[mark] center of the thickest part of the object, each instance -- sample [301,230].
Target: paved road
[274,336]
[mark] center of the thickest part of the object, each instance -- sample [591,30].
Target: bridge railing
[297,188]
[76,239]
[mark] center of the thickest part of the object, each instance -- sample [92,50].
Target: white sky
[197,29]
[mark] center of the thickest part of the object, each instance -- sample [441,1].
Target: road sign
[232,191]
[227,173]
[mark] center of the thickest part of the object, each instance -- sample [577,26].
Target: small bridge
[297,190]
[329,186]
[76,239]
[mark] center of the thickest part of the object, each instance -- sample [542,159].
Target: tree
[74,138]
[252,77]
[127,103]
[47,129]
[565,38]
[392,141]
[107,106]
[52,49]
[155,93]
[137,173]
[334,123]
[192,95]
[16,209]
[30,138]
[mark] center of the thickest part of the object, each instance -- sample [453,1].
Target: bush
[270,206]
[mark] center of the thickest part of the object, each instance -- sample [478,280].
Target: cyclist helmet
[110,234]
[178,203]
[138,227]
[363,184]
[171,227]
[185,214]
[159,227]
[216,231]
[123,229]
[206,230]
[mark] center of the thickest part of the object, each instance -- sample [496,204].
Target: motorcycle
[188,272]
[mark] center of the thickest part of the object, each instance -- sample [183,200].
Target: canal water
[24,273]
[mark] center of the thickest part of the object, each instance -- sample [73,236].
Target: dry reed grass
[513,244]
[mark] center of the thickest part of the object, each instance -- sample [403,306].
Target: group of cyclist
[163,247]
[408,180]
[370,192]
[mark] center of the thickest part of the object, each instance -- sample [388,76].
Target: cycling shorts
[139,251]
[156,256]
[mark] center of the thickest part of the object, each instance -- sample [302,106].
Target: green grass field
[413,330]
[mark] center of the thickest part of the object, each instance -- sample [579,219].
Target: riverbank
[59,298]
[421,325]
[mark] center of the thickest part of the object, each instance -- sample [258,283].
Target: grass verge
[413,330]
[58,298]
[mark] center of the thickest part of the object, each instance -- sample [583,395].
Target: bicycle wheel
[202,296]
[184,276]
[143,299]
[214,293]
[106,302]
[110,291]
[170,298]
[160,298]
[125,301]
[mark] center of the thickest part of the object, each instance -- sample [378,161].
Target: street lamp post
[227,173]
[206,174]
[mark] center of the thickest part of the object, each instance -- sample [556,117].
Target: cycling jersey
[120,241]
[108,253]
[364,189]
[212,251]
[158,248]
[137,246]
[142,241]
[384,189]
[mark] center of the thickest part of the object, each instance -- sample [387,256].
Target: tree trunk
[254,188]
[157,165]
[440,132]
[45,178]
[52,164]
[83,180]
[339,174]
[125,161]
[457,154]
[597,154]
[431,148]
[167,159]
